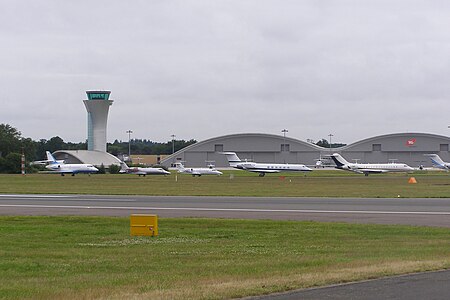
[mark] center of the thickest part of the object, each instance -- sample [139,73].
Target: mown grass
[93,257]
[236,183]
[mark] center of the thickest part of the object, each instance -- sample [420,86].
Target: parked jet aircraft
[142,171]
[365,169]
[322,161]
[56,166]
[197,171]
[438,162]
[263,168]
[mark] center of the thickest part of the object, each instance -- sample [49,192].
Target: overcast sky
[202,69]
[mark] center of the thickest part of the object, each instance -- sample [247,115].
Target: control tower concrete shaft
[97,106]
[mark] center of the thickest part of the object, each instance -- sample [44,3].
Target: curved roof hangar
[96,158]
[403,147]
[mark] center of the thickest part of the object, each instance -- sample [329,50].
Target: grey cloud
[260,66]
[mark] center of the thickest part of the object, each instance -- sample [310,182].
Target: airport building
[97,106]
[96,158]
[406,148]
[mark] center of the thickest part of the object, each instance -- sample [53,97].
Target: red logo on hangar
[410,142]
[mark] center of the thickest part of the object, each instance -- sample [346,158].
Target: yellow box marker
[143,225]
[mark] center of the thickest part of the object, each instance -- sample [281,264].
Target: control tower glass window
[98,96]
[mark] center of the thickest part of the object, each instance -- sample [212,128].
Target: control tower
[97,106]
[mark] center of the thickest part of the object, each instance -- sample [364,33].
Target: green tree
[114,169]
[101,169]
[9,140]
[12,163]
[114,149]
[11,147]
[323,143]
[29,149]
[55,143]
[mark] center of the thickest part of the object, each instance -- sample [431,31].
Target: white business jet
[365,169]
[57,166]
[142,171]
[438,162]
[262,168]
[197,171]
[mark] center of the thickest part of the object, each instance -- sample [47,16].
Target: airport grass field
[94,257]
[332,183]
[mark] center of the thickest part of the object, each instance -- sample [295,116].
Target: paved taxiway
[415,211]
[428,285]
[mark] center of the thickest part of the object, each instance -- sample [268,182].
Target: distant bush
[101,169]
[114,169]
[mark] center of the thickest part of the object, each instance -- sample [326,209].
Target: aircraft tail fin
[50,158]
[123,167]
[232,158]
[436,160]
[179,166]
[339,160]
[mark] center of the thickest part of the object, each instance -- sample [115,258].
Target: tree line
[324,143]
[12,145]
[147,147]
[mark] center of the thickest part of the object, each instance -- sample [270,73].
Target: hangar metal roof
[405,141]
[407,147]
[198,145]
[95,158]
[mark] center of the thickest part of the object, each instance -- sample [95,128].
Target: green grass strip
[236,183]
[94,257]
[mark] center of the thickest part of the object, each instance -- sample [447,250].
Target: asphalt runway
[428,285]
[410,211]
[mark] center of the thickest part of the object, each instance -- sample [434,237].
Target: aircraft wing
[263,171]
[40,162]
[135,171]
[443,167]
[45,162]
[73,171]
[376,171]
[152,171]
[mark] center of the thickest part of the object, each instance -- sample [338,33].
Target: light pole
[330,135]
[284,148]
[129,144]
[22,164]
[284,138]
[173,143]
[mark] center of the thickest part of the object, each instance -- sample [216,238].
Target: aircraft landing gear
[262,174]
